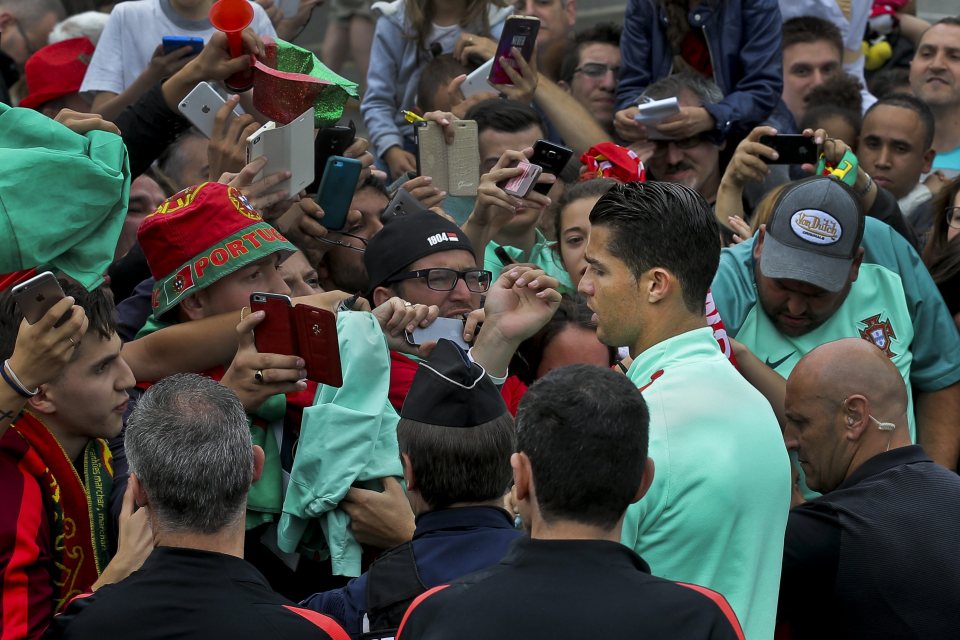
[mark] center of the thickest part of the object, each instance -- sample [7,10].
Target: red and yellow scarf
[79,507]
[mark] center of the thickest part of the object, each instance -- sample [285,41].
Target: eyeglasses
[953,217]
[442,279]
[662,146]
[26,40]
[352,242]
[596,69]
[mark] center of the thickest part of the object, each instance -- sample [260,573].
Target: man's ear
[258,457]
[563,85]
[571,11]
[658,283]
[645,481]
[139,495]
[381,295]
[856,417]
[193,306]
[408,474]
[522,476]
[855,265]
[928,158]
[758,243]
[43,402]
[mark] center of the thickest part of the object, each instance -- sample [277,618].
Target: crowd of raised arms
[479,319]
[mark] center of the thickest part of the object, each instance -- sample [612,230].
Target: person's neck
[198,12]
[709,188]
[880,442]
[522,239]
[73,444]
[448,12]
[421,507]
[946,135]
[569,530]
[668,325]
[228,541]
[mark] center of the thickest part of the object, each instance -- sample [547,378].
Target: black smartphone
[330,141]
[520,32]
[792,149]
[402,204]
[552,158]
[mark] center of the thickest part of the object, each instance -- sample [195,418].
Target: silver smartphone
[36,297]
[201,105]
[449,328]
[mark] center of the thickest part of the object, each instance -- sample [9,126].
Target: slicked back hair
[663,224]
[586,431]
[189,444]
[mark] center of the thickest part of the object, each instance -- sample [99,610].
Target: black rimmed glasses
[348,241]
[953,217]
[661,146]
[596,70]
[443,279]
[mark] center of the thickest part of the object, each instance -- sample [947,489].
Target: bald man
[876,555]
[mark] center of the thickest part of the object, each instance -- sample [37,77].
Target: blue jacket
[448,544]
[744,41]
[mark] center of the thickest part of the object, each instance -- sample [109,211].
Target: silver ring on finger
[73,342]
[407,304]
[258,376]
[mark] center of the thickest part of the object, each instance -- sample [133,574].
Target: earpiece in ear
[849,421]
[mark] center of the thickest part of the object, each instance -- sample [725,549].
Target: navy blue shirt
[447,544]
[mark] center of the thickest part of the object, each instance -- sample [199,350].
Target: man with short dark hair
[693,162]
[191,465]
[24,28]
[847,419]
[812,53]
[57,472]
[579,464]
[652,253]
[456,437]
[935,79]
[590,69]
[820,271]
[896,148]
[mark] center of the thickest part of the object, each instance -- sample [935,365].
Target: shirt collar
[462,517]
[887,460]
[591,553]
[698,342]
[207,562]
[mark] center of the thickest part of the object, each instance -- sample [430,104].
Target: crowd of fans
[690,387]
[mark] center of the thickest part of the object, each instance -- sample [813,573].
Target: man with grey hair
[24,28]
[693,162]
[191,464]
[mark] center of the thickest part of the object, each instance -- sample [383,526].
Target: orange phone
[301,330]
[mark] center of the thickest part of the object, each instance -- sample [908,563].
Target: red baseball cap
[56,70]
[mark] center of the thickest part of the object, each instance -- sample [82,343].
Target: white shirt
[134,31]
[917,196]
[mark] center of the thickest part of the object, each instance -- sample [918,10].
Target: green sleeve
[733,288]
[936,342]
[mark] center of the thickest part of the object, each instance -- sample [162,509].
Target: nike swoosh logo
[777,363]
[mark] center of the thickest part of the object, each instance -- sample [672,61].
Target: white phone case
[287,148]
[201,105]
[652,113]
[477,82]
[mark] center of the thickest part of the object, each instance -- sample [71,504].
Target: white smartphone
[449,328]
[653,112]
[287,148]
[477,81]
[201,105]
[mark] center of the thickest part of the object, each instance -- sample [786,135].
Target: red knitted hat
[200,235]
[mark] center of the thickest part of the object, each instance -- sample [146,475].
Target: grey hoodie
[395,72]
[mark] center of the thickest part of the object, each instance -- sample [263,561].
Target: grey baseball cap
[813,233]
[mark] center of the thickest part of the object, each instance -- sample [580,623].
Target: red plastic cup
[232,17]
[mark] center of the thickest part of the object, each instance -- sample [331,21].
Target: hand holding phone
[336,190]
[200,108]
[791,149]
[172,43]
[520,32]
[522,184]
[449,328]
[550,157]
[330,141]
[37,296]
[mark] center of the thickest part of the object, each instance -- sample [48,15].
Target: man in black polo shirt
[191,465]
[580,463]
[876,555]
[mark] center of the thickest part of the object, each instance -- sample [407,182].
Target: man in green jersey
[819,271]
[717,508]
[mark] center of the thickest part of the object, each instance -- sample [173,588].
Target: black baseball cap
[405,239]
[813,234]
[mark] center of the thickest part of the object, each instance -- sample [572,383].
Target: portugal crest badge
[879,332]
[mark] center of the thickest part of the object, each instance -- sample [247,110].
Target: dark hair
[889,80]
[438,72]
[504,115]
[578,191]
[842,90]
[603,33]
[97,304]
[911,103]
[815,115]
[459,465]
[939,254]
[375,183]
[572,312]
[809,29]
[585,430]
[663,224]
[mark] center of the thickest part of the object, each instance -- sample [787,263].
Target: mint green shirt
[716,512]
[542,254]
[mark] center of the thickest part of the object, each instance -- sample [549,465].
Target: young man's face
[299,275]
[492,145]
[232,292]
[454,303]
[807,65]
[611,292]
[595,84]
[892,148]
[556,18]
[344,267]
[935,69]
[90,396]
